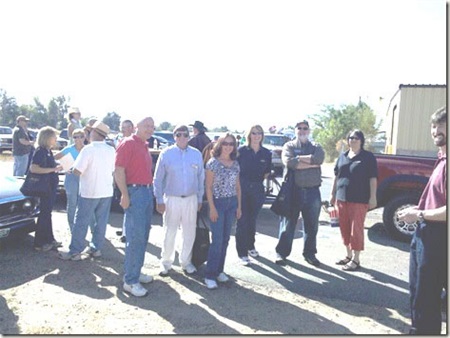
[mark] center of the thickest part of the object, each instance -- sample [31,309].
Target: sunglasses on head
[225,143]
[302,128]
[182,135]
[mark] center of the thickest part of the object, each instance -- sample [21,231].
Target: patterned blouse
[225,178]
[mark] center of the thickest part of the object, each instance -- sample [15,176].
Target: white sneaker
[164,270]
[211,283]
[245,260]
[135,289]
[67,256]
[92,252]
[253,253]
[190,269]
[145,279]
[222,278]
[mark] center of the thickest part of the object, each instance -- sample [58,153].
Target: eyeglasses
[256,133]
[356,138]
[225,143]
[182,134]
[76,137]
[302,128]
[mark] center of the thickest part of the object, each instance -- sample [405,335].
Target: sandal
[351,266]
[344,261]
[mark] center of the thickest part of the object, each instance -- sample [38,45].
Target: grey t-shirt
[18,148]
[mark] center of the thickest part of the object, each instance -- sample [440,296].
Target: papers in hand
[67,161]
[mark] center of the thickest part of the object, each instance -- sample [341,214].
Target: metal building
[408,119]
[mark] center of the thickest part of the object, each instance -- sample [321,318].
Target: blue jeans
[252,201]
[88,208]
[20,165]
[308,201]
[72,187]
[44,226]
[427,277]
[138,223]
[220,231]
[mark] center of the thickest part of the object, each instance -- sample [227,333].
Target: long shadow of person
[8,321]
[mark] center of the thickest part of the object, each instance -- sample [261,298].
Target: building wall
[409,116]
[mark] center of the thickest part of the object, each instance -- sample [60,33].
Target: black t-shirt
[44,158]
[254,165]
[353,176]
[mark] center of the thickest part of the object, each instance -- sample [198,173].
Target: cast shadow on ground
[377,234]
[346,286]
[8,320]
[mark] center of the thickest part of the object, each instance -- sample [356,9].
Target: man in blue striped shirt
[179,186]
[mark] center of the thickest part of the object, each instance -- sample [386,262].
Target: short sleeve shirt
[225,178]
[44,158]
[353,176]
[132,154]
[435,193]
[253,166]
[20,149]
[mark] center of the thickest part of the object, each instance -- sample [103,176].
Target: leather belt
[139,185]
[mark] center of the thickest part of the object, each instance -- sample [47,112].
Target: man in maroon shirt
[134,178]
[428,259]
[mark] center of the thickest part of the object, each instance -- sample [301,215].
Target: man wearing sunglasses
[304,158]
[178,188]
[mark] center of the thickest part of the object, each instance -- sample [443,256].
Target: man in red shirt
[134,178]
[428,259]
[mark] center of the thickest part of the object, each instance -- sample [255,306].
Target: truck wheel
[395,228]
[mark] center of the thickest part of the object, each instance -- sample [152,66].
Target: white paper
[67,161]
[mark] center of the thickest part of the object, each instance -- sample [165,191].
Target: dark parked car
[168,135]
[17,212]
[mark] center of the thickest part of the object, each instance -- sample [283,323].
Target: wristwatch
[421,218]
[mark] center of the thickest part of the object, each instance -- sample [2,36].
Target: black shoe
[313,261]
[280,260]
[123,239]
[119,233]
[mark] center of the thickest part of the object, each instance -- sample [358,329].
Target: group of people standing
[231,180]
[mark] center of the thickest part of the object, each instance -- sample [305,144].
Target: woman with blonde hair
[255,163]
[223,192]
[43,163]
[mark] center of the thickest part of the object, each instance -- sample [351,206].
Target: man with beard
[428,257]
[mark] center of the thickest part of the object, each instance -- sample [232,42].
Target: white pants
[180,212]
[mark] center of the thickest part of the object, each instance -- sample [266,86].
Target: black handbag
[36,185]
[201,243]
[283,202]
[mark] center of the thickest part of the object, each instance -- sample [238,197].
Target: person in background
[200,139]
[134,178]
[305,158]
[255,163]
[354,193]
[72,181]
[95,166]
[21,146]
[127,129]
[178,188]
[88,128]
[428,257]
[223,192]
[74,119]
[43,163]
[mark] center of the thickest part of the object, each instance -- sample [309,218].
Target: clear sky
[227,62]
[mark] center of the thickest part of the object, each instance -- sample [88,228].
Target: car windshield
[275,140]
[166,135]
[5,130]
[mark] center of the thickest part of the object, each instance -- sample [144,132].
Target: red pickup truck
[401,180]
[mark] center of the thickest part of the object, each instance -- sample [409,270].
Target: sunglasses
[224,143]
[182,135]
[256,133]
[77,137]
[302,128]
[354,138]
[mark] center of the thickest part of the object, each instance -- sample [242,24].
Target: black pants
[427,277]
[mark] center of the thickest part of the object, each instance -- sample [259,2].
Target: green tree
[332,126]
[9,109]
[112,119]
[62,104]
[165,126]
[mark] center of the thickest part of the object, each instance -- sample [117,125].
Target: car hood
[10,189]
